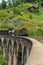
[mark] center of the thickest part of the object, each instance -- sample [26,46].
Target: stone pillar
[12,56]
[14,60]
[9,53]
[15,54]
[9,63]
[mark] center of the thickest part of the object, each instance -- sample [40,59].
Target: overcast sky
[1,0]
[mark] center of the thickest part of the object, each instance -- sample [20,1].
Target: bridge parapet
[15,49]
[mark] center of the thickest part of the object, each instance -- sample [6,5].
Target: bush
[30,32]
[39,32]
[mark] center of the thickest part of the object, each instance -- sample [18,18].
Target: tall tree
[14,2]
[4,5]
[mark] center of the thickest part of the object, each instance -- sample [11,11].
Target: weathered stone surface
[36,56]
[33,54]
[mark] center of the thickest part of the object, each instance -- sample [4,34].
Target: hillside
[32,21]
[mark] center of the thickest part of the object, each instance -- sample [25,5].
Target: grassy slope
[34,24]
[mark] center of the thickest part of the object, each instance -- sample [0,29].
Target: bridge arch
[19,57]
[10,46]
[15,45]
[24,55]
[1,47]
[5,43]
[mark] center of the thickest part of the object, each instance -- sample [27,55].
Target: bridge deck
[36,56]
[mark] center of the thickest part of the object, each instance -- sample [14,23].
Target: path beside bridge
[36,55]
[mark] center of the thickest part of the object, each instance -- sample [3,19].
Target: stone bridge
[15,49]
[19,50]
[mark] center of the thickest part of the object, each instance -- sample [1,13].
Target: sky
[1,1]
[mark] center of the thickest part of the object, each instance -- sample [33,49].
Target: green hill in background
[19,17]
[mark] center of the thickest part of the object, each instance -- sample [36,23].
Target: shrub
[30,16]
[39,32]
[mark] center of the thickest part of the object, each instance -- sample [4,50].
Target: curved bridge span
[21,50]
[15,49]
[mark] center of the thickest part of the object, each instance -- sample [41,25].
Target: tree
[14,2]
[0,6]
[10,2]
[4,5]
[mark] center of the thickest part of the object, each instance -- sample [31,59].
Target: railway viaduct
[20,50]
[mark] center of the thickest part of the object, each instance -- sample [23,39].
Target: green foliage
[2,61]
[40,32]
[0,48]
[32,21]
[30,16]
